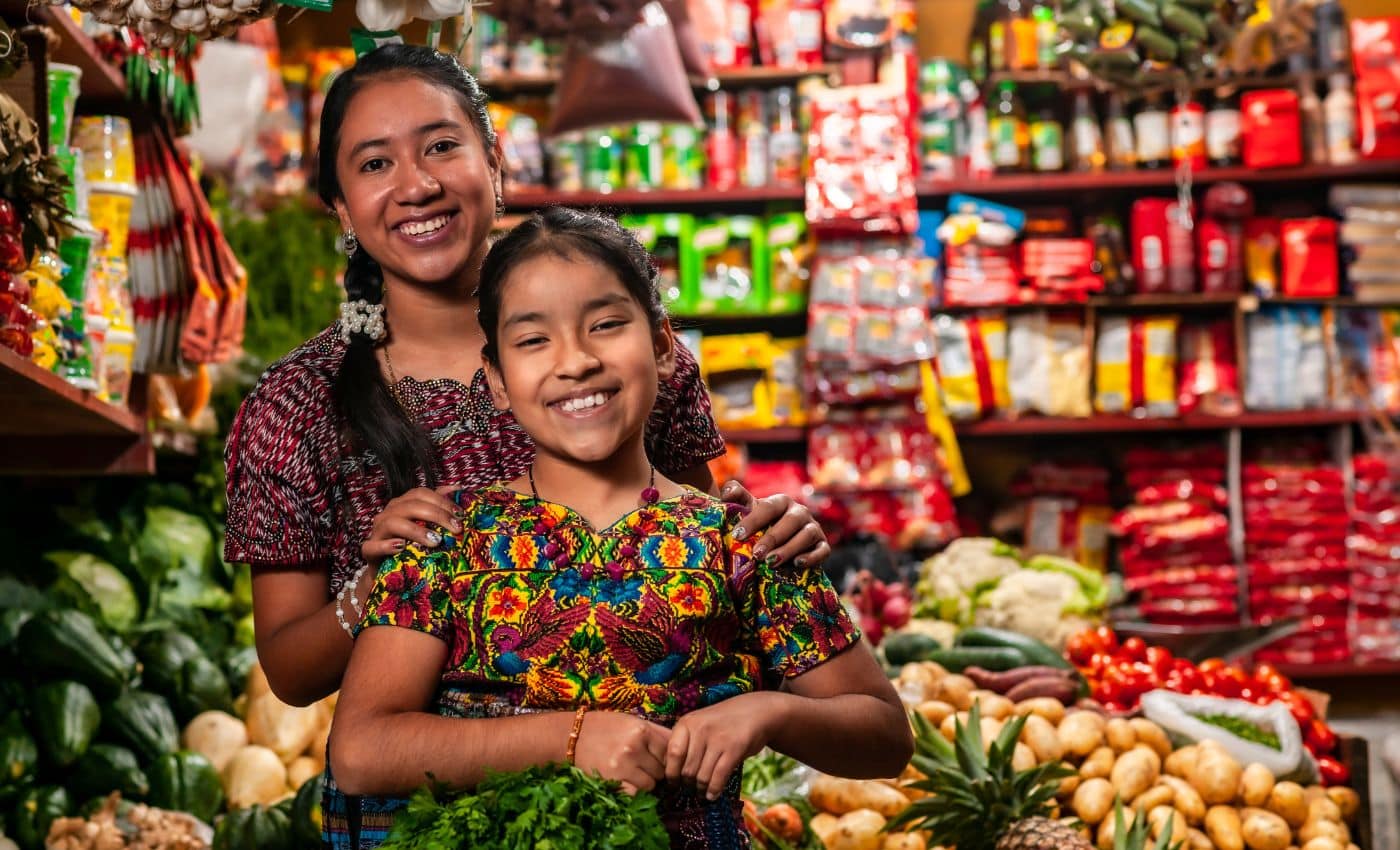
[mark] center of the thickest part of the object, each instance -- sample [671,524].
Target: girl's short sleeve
[681,433]
[412,591]
[281,458]
[792,617]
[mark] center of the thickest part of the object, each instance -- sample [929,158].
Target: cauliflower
[1031,603]
[949,579]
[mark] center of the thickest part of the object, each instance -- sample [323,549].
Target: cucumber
[901,649]
[1185,21]
[1035,651]
[1157,44]
[959,658]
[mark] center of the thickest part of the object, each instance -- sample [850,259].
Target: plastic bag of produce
[1198,718]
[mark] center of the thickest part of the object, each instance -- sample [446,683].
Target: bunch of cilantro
[549,807]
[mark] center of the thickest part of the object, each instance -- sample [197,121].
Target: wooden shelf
[53,428]
[1201,302]
[1349,670]
[102,83]
[536,198]
[768,435]
[1033,426]
[532,85]
[1122,181]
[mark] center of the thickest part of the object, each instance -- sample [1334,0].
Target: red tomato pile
[1120,673]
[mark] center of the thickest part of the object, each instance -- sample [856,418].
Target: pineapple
[978,801]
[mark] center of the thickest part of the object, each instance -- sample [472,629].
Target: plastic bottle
[785,145]
[1188,125]
[1122,150]
[1223,130]
[999,37]
[1152,130]
[1006,126]
[1330,38]
[1086,139]
[1339,116]
[1046,35]
[1047,141]
[753,139]
[1310,113]
[1021,37]
[721,145]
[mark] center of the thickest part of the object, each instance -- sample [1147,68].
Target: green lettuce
[1093,589]
[97,588]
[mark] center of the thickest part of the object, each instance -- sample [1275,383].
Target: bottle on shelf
[1006,127]
[602,163]
[978,52]
[1339,116]
[1004,12]
[785,145]
[753,139]
[940,111]
[643,160]
[1330,38]
[682,157]
[722,144]
[1021,46]
[1122,149]
[1086,139]
[1047,35]
[1047,141]
[1310,116]
[1223,129]
[1188,120]
[1152,131]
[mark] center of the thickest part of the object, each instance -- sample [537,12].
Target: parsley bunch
[550,807]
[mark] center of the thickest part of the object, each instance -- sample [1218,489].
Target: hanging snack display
[1130,42]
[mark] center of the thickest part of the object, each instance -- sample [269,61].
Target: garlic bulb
[381,15]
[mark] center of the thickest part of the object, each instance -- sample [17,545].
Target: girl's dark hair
[566,232]
[364,397]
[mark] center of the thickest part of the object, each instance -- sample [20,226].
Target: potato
[1182,762]
[948,727]
[1093,800]
[1286,800]
[904,841]
[1163,817]
[842,796]
[1313,792]
[1224,828]
[991,728]
[1048,707]
[1068,786]
[956,690]
[1347,800]
[1323,808]
[1110,825]
[1264,830]
[1150,753]
[1157,795]
[1039,735]
[1323,843]
[935,711]
[1133,773]
[1186,799]
[824,826]
[1120,735]
[1152,735]
[1216,776]
[1256,784]
[1081,732]
[1098,764]
[1321,828]
[301,769]
[858,830]
[994,705]
[1197,840]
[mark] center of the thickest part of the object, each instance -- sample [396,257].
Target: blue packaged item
[987,211]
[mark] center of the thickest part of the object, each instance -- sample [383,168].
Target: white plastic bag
[1179,715]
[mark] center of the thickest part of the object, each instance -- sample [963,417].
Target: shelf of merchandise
[788,435]
[1194,302]
[53,428]
[540,85]
[1164,178]
[1046,426]
[101,82]
[531,199]
[1347,670]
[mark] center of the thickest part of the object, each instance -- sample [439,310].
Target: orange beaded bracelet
[574,733]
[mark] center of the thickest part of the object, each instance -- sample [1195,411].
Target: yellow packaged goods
[109,208]
[108,155]
[1135,365]
[972,364]
[737,370]
[1048,365]
[788,356]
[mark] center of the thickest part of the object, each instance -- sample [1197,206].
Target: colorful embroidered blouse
[659,614]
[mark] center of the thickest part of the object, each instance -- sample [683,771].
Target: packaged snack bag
[790,253]
[1135,365]
[736,369]
[1210,375]
[788,359]
[1048,365]
[972,366]
[669,237]
[731,262]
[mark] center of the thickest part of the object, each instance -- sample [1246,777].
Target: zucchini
[1185,21]
[1035,651]
[906,648]
[1156,43]
[1140,11]
[66,718]
[959,658]
[105,768]
[35,811]
[187,782]
[68,642]
[144,721]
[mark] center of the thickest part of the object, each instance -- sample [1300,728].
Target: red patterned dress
[659,614]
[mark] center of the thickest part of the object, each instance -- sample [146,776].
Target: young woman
[336,459]
[593,610]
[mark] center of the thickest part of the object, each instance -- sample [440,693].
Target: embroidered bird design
[543,631]
[651,645]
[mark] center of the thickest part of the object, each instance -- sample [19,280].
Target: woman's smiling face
[416,181]
[579,360]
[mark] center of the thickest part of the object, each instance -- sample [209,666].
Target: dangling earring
[500,206]
[347,243]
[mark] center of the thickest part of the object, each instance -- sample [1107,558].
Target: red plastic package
[1183,490]
[1131,518]
[837,456]
[1272,128]
[1210,378]
[1198,531]
[862,167]
[1163,254]
[1310,268]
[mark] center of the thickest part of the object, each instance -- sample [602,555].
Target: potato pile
[266,756]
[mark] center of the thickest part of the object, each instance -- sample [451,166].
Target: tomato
[1107,691]
[1211,665]
[1101,661]
[1320,738]
[1160,660]
[1081,647]
[1333,772]
[1108,638]
[1134,648]
[1301,708]
[1229,682]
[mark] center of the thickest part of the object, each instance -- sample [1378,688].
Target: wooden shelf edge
[791,434]
[529,199]
[1032,426]
[108,419]
[510,85]
[1347,670]
[101,82]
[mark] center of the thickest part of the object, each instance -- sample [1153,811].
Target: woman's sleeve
[281,456]
[792,618]
[681,433]
[412,592]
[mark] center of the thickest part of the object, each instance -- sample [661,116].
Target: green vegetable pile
[555,806]
[1242,729]
[1146,42]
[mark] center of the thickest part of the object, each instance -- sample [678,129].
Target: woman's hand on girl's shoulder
[419,516]
[790,533]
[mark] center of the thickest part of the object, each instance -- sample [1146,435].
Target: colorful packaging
[1048,365]
[972,364]
[790,252]
[731,261]
[789,33]
[1261,247]
[1285,359]
[1210,374]
[1068,528]
[1374,53]
[1310,257]
[1163,254]
[1135,365]
[736,369]
[862,162]
[1272,128]
[787,386]
[1378,120]
[668,236]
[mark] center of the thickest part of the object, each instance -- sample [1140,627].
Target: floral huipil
[659,614]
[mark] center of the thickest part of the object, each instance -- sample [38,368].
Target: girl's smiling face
[579,361]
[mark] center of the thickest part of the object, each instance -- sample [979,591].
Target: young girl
[593,611]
